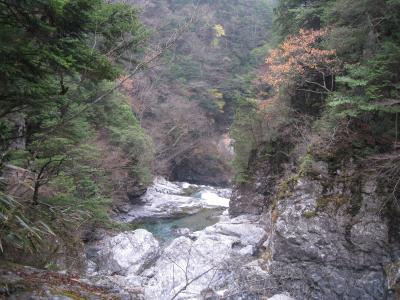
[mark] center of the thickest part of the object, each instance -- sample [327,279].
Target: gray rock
[393,275]
[245,201]
[247,251]
[254,196]
[320,168]
[127,253]
[134,191]
[329,254]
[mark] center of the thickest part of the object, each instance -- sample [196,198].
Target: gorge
[211,149]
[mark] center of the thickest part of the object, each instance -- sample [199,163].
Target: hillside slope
[322,164]
[187,102]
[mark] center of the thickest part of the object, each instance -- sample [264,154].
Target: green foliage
[305,167]
[124,130]
[63,40]
[291,15]
[257,55]
[58,57]
[217,53]
[364,34]
[185,69]
[18,230]
[371,86]
[243,132]
[357,115]
[260,134]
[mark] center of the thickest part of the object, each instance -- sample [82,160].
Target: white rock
[183,231]
[127,253]
[161,185]
[189,266]
[281,297]
[246,229]
[185,185]
[124,285]
[213,200]
[247,251]
[166,199]
[160,205]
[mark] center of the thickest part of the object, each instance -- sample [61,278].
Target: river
[185,244]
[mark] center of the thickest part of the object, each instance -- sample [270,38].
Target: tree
[59,58]
[56,56]
[300,64]
[50,46]
[361,115]
[292,15]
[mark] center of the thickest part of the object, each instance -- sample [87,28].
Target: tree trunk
[35,196]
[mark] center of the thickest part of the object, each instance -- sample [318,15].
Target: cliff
[332,234]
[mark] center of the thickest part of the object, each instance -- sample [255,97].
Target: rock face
[134,190]
[328,254]
[317,240]
[253,196]
[281,297]
[335,245]
[250,197]
[201,169]
[127,253]
[246,200]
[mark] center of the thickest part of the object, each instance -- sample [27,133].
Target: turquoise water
[164,230]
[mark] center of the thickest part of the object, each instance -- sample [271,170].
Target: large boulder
[128,253]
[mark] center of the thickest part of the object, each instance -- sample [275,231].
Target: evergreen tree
[57,58]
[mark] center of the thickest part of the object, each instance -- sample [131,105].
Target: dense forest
[332,80]
[60,64]
[285,101]
[188,100]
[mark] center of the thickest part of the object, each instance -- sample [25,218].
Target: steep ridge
[186,103]
[318,153]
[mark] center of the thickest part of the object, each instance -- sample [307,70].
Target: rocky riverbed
[189,247]
[191,264]
[165,199]
[185,247]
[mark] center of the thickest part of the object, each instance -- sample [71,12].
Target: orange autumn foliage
[265,104]
[127,83]
[299,60]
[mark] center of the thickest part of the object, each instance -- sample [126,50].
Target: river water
[167,229]
[167,208]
